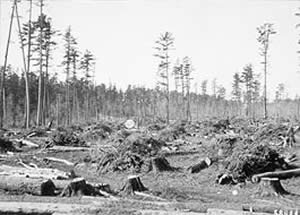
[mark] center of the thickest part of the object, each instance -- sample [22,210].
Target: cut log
[67,149]
[281,175]
[34,172]
[46,208]
[203,164]
[68,163]
[21,185]
[133,184]
[27,143]
[161,164]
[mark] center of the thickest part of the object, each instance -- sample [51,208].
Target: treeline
[33,96]
[89,102]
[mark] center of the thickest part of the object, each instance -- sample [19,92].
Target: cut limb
[59,160]
[281,175]
[133,184]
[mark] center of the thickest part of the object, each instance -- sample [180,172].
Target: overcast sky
[219,36]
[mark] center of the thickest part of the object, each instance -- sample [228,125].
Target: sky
[219,36]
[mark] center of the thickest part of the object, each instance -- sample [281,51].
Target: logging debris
[133,153]
[67,138]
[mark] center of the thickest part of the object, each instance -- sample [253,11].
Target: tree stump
[271,187]
[78,187]
[133,184]
[161,164]
[203,164]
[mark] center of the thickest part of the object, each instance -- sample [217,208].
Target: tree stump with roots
[133,184]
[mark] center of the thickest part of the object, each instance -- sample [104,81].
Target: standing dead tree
[163,47]
[2,81]
[264,32]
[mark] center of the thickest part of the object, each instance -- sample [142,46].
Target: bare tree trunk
[28,69]
[4,104]
[265,86]
[2,81]
[39,105]
[58,101]
[168,89]
[27,108]
[45,90]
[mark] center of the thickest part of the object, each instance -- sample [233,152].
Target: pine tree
[163,47]
[264,32]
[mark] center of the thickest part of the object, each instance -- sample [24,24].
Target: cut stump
[272,187]
[161,164]
[133,184]
[78,187]
[203,164]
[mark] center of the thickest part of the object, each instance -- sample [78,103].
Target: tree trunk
[27,106]
[2,81]
[40,87]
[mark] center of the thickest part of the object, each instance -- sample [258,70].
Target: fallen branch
[68,163]
[67,149]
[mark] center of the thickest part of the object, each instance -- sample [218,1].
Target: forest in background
[34,96]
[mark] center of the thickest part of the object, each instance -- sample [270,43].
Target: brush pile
[169,134]
[133,153]
[99,131]
[249,158]
[66,138]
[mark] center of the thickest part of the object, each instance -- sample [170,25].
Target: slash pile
[133,153]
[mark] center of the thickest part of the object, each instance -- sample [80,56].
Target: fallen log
[67,149]
[45,208]
[28,143]
[281,175]
[21,185]
[68,163]
[47,187]
[34,172]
